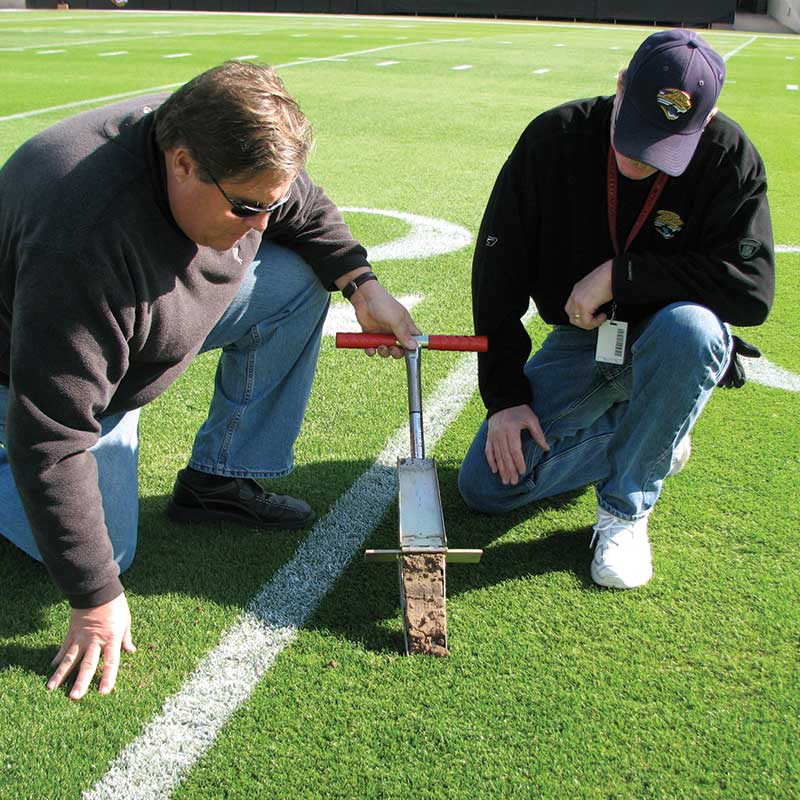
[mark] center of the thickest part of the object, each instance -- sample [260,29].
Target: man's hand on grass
[94,633]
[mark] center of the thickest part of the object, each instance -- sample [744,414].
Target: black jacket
[708,240]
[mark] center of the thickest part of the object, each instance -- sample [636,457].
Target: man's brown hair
[236,120]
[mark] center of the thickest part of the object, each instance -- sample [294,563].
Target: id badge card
[611,337]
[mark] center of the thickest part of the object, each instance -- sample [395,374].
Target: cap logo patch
[674,102]
[668,223]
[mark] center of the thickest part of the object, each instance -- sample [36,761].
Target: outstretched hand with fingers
[94,633]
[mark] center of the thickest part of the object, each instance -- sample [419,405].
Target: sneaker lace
[606,532]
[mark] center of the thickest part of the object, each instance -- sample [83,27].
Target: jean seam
[707,386]
[255,337]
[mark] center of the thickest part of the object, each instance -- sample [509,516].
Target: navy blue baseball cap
[672,85]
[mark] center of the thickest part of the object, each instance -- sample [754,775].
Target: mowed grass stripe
[167,87]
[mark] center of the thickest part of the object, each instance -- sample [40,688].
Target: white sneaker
[622,557]
[680,456]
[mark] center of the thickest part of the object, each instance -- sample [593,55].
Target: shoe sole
[617,583]
[178,514]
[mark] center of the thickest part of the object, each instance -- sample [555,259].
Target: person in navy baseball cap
[638,224]
[670,93]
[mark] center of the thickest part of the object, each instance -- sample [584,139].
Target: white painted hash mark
[463,66]
[176,55]
[386,63]
[792,87]
[153,765]
[540,71]
[113,53]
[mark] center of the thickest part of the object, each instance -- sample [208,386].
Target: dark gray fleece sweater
[103,303]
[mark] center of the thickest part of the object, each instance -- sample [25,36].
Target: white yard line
[739,48]
[153,765]
[104,40]
[168,86]
[760,370]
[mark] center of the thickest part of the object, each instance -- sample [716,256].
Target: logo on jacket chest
[668,223]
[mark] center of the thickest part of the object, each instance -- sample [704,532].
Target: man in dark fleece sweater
[132,237]
[639,225]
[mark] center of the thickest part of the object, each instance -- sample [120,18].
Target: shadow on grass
[218,562]
[228,564]
[365,606]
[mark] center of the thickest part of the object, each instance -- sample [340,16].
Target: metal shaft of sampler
[415,402]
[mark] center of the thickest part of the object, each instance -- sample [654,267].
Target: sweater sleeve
[69,351]
[733,273]
[312,226]
[501,275]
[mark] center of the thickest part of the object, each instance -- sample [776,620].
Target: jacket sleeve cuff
[105,594]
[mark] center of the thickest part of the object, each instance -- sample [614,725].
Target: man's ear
[621,81]
[180,164]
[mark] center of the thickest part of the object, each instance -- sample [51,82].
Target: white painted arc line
[48,52]
[166,87]
[153,765]
[428,236]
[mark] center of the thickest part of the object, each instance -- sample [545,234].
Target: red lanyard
[613,196]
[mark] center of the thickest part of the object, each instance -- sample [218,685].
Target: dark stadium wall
[656,12]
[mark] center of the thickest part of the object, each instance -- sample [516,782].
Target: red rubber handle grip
[472,344]
[476,344]
[362,340]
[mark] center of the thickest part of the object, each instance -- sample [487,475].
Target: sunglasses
[239,209]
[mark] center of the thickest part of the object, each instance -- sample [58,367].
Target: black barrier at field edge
[696,13]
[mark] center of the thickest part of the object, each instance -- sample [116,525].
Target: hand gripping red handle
[475,344]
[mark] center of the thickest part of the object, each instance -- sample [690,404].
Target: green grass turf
[687,688]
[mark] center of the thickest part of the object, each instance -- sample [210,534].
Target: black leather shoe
[198,497]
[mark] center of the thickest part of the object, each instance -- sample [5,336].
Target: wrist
[352,286]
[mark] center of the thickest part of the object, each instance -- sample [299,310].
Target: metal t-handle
[415,403]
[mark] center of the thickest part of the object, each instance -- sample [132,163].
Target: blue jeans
[614,426]
[270,338]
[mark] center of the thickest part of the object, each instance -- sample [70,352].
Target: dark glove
[735,377]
